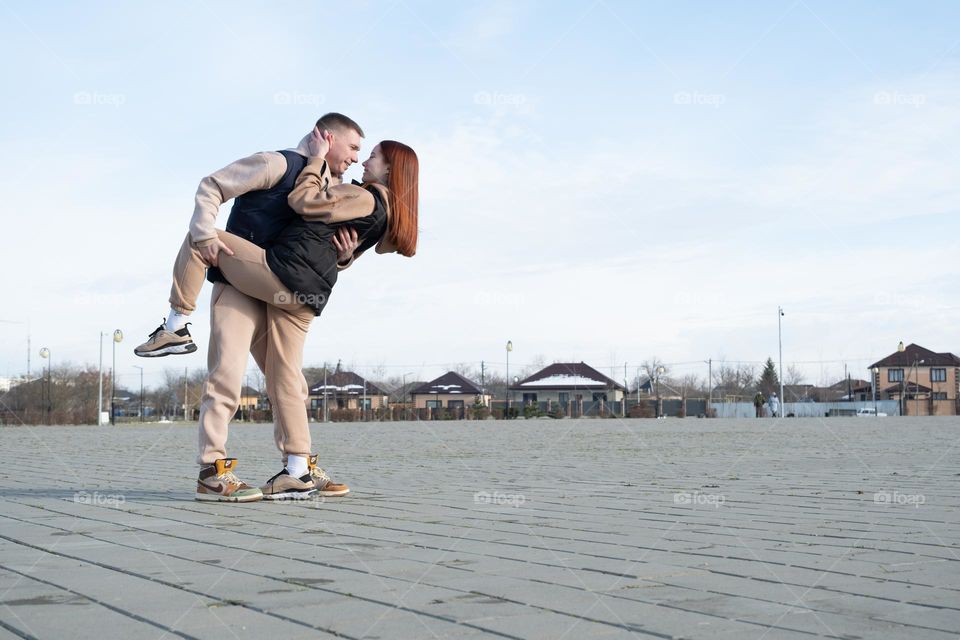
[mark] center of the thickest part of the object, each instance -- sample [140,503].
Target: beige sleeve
[315,197]
[253,173]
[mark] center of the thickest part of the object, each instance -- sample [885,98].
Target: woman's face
[375,168]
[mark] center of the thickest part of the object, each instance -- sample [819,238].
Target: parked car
[865,412]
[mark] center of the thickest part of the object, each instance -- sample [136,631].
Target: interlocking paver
[802,528]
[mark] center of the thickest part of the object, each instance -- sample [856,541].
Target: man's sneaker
[284,486]
[163,343]
[325,486]
[217,483]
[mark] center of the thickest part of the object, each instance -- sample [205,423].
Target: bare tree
[735,379]
[794,375]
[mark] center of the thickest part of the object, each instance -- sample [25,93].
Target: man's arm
[315,197]
[253,173]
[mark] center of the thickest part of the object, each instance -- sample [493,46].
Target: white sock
[176,320]
[296,465]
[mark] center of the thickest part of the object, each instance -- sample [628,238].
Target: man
[238,324]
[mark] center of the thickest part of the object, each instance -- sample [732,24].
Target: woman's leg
[248,271]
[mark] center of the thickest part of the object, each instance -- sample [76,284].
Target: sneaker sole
[215,497]
[173,349]
[333,494]
[290,495]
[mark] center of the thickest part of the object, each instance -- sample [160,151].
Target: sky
[601,181]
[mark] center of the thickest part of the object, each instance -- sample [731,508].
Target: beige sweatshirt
[260,171]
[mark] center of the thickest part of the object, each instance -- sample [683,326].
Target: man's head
[345,146]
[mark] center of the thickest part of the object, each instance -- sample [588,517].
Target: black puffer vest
[305,260]
[260,216]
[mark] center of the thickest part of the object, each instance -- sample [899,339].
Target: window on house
[894,375]
[434,404]
[529,398]
[939,395]
[563,397]
[938,375]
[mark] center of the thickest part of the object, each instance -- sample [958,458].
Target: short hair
[338,122]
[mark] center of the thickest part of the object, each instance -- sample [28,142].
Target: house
[346,390]
[251,399]
[571,386]
[924,381]
[451,390]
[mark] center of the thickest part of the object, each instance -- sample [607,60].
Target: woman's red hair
[402,182]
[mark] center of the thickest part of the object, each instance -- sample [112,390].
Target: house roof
[568,375]
[841,385]
[451,382]
[346,382]
[914,353]
[248,392]
[908,387]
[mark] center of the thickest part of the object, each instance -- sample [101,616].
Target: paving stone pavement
[567,529]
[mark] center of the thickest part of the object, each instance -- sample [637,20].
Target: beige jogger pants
[241,322]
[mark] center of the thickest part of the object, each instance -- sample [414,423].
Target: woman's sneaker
[218,484]
[325,486]
[284,486]
[164,343]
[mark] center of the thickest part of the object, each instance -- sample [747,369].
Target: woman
[295,276]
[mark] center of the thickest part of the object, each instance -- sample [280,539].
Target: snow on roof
[561,380]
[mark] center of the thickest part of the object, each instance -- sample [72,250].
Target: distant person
[758,403]
[774,405]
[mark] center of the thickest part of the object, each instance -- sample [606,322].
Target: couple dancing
[292,228]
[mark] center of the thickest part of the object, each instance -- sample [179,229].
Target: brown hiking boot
[218,484]
[325,486]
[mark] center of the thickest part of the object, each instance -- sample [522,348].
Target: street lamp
[916,382]
[404,398]
[783,399]
[901,349]
[140,412]
[660,371]
[45,354]
[117,338]
[506,414]
[873,383]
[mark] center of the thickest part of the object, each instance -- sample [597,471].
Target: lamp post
[45,354]
[404,398]
[117,338]
[506,414]
[875,373]
[783,399]
[140,411]
[916,382]
[903,406]
[660,371]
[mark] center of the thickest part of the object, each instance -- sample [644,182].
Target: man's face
[343,151]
